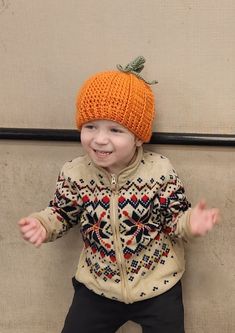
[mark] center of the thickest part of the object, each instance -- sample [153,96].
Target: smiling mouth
[102,153]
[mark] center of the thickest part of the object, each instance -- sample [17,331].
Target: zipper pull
[113,181]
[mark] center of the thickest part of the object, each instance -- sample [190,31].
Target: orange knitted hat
[122,96]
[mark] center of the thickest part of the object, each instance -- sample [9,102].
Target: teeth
[102,152]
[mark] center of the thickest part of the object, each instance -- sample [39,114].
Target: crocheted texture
[135,67]
[117,96]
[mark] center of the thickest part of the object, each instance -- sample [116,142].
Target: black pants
[91,313]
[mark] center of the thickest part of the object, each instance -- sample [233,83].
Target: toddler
[131,208]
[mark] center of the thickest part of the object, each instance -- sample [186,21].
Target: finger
[26,220]
[23,221]
[29,234]
[28,227]
[31,224]
[216,217]
[34,238]
[39,241]
[201,204]
[213,214]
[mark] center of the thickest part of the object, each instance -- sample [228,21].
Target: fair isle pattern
[147,216]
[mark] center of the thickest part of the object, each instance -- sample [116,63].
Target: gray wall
[47,49]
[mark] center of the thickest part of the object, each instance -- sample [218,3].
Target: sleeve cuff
[183,229]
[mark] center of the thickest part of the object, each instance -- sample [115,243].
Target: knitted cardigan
[133,225]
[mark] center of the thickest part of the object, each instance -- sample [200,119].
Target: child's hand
[32,230]
[203,219]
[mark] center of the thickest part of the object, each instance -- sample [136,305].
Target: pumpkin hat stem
[135,67]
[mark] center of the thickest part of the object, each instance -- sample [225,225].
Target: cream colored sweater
[133,225]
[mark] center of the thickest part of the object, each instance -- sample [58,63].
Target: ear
[138,142]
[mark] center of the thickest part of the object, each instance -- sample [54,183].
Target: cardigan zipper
[117,242]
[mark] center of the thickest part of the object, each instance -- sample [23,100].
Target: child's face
[109,144]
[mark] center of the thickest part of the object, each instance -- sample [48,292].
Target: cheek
[128,141]
[127,148]
[84,143]
[82,140]
[84,137]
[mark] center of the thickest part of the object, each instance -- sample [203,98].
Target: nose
[101,137]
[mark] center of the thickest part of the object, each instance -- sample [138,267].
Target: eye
[116,130]
[89,126]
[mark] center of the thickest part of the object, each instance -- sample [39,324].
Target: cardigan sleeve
[64,211]
[174,207]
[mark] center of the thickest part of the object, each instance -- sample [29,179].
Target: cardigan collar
[123,176]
